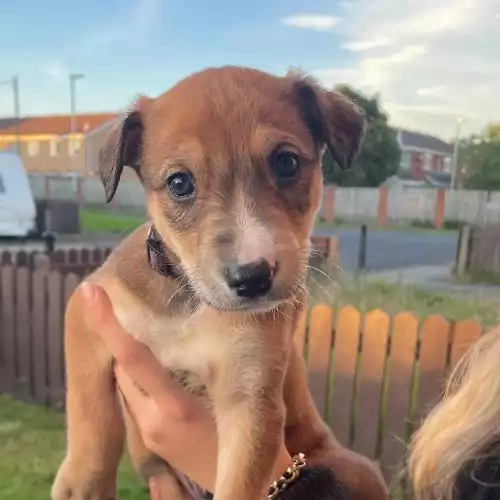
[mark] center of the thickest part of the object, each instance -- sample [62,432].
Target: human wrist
[282,463]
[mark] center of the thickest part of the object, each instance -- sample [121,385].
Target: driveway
[392,249]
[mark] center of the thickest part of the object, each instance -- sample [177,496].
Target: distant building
[47,145]
[423,155]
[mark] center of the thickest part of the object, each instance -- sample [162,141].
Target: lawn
[95,220]
[32,445]
[99,221]
[367,295]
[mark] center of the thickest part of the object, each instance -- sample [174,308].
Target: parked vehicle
[17,204]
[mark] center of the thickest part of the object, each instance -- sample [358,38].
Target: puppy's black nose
[250,280]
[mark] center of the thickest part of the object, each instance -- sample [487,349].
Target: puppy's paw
[77,483]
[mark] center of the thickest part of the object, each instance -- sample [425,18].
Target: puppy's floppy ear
[123,148]
[332,118]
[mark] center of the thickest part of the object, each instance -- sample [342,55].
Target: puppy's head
[231,162]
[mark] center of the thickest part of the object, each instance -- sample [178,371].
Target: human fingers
[140,406]
[135,358]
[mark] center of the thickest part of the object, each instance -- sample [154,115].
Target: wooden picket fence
[73,260]
[372,376]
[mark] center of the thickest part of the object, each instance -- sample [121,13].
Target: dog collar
[157,258]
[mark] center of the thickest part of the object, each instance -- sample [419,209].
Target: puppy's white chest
[186,344]
[211,348]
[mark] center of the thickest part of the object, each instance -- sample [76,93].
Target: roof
[431,179]
[419,140]
[54,124]
[9,122]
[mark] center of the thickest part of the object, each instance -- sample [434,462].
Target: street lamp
[14,83]
[455,153]
[73,78]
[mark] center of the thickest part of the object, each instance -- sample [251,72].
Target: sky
[431,61]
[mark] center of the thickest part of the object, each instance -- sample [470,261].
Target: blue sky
[432,61]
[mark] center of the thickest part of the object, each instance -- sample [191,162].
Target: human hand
[174,424]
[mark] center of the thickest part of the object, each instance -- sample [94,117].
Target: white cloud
[437,91]
[55,70]
[311,21]
[366,44]
[430,60]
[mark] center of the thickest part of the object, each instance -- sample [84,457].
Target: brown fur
[224,126]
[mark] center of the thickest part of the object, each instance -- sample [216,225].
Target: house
[429,180]
[424,156]
[47,144]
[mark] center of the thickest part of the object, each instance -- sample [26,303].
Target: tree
[380,154]
[480,154]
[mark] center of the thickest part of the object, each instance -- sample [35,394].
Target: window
[33,148]
[447,165]
[405,160]
[427,161]
[2,186]
[74,147]
[55,147]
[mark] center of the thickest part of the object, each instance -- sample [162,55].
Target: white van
[17,204]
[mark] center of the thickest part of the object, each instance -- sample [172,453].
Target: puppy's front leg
[249,432]
[95,428]
[250,416]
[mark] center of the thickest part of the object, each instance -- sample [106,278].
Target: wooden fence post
[329,203]
[383,205]
[439,207]
[463,253]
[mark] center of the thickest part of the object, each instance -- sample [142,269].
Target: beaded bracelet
[290,475]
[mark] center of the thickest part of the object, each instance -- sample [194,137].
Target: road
[386,249]
[393,249]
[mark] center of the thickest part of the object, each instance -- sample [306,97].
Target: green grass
[476,277]
[394,298]
[32,445]
[97,221]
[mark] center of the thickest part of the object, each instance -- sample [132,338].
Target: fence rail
[372,376]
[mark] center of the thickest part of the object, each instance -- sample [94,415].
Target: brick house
[424,155]
[47,145]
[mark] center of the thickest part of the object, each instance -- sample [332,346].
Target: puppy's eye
[181,185]
[285,165]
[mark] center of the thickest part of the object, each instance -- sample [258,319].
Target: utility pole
[454,165]
[17,112]
[73,78]
[14,83]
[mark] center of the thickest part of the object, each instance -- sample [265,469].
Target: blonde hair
[463,427]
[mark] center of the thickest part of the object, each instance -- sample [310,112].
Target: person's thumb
[98,304]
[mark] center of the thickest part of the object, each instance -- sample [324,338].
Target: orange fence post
[383,205]
[439,207]
[329,203]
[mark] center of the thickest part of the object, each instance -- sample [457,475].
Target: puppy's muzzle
[250,281]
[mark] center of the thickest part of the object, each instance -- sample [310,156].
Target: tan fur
[224,126]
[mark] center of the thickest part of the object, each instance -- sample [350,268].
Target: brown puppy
[230,161]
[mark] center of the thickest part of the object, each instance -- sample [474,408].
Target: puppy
[230,160]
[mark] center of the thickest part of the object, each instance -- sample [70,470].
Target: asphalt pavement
[394,249]
[386,249]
